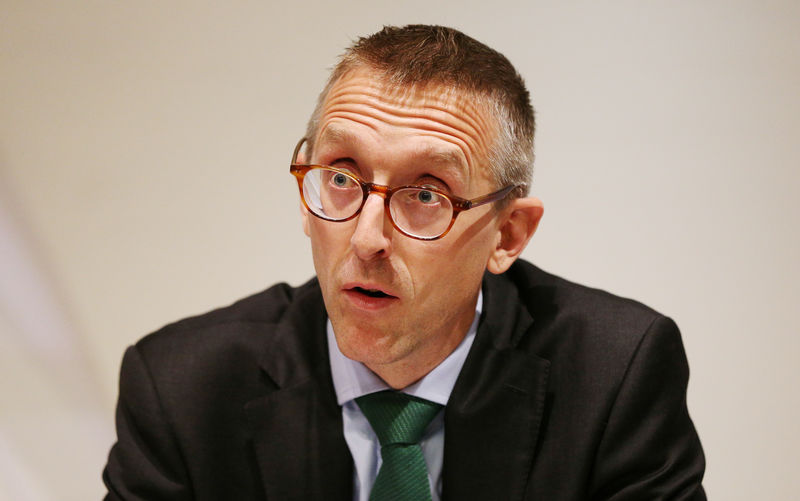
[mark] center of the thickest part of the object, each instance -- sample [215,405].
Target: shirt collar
[353,379]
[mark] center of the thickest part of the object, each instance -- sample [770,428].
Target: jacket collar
[491,421]
[493,417]
[296,428]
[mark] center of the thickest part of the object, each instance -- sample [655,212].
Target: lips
[369,296]
[370,292]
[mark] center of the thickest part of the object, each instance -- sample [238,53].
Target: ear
[518,223]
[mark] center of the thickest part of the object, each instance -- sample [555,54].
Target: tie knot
[397,418]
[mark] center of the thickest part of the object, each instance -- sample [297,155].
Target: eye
[428,197]
[340,179]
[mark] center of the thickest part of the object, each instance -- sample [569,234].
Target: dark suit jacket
[568,393]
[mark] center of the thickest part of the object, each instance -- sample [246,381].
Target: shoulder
[616,377]
[199,372]
[263,308]
[545,295]
[554,301]
[583,328]
[226,340]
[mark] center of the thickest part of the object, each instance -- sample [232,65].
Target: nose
[371,238]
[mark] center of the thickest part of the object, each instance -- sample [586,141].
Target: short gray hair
[421,55]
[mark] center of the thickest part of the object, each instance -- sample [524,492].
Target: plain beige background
[144,152]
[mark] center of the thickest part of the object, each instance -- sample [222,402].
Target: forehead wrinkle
[467,121]
[334,133]
[463,137]
[470,116]
[381,98]
[455,158]
[451,114]
[458,128]
[444,158]
[375,91]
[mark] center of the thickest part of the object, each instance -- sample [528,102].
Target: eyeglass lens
[337,196]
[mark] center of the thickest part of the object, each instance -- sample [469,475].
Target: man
[413,176]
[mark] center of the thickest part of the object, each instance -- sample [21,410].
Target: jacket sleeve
[650,449]
[145,463]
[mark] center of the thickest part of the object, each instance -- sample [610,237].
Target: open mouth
[371,292]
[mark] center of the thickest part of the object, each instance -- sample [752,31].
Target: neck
[403,373]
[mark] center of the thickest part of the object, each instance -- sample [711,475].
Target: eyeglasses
[420,212]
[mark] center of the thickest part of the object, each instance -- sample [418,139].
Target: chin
[366,347]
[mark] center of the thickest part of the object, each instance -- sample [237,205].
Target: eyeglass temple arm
[297,150]
[492,197]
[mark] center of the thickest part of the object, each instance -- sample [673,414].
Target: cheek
[461,263]
[320,244]
[447,271]
[329,243]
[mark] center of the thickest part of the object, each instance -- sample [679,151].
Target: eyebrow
[337,135]
[443,156]
[451,159]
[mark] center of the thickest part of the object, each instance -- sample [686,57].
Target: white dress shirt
[353,379]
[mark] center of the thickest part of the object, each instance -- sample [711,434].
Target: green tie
[399,421]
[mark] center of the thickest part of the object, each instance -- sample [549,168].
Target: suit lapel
[491,421]
[299,446]
[492,418]
[296,429]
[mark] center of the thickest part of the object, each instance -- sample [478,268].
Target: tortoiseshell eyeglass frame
[459,204]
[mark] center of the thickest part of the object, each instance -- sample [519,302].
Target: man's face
[397,304]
